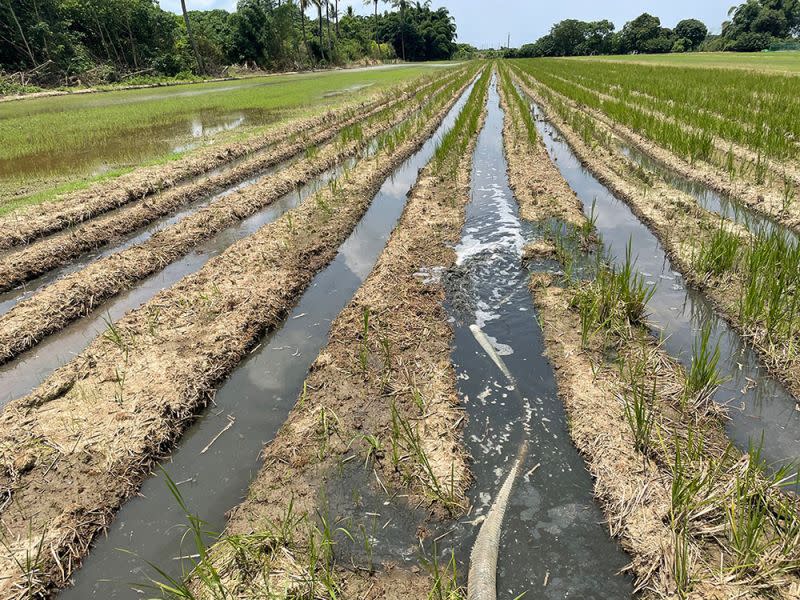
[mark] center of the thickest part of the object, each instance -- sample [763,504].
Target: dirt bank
[764,199]
[30,223]
[678,536]
[79,445]
[535,181]
[40,257]
[636,489]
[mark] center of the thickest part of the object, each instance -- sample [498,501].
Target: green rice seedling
[718,255]
[409,439]
[114,334]
[445,578]
[747,516]
[368,547]
[202,568]
[363,355]
[374,448]
[730,164]
[30,565]
[703,376]
[788,194]
[615,299]
[638,400]
[682,563]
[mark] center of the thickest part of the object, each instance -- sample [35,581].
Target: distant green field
[787,62]
[59,143]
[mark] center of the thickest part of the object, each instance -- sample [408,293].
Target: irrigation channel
[762,412]
[22,374]
[554,542]
[258,395]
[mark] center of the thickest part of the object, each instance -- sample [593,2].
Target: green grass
[54,141]
[782,62]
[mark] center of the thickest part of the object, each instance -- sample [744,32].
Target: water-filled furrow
[256,398]
[762,412]
[11,298]
[554,543]
[710,199]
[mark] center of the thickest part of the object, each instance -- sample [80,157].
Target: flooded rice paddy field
[251,388]
[50,142]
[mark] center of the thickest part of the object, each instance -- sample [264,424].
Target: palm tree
[401,4]
[192,41]
[328,25]
[375,2]
[318,4]
[303,5]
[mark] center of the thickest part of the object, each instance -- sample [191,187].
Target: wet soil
[761,409]
[143,383]
[260,394]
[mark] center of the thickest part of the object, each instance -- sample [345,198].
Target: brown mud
[766,200]
[24,226]
[74,449]
[681,226]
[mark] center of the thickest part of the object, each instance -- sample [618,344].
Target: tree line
[753,26]
[87,41]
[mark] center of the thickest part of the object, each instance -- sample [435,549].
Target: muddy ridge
[21,227]
[400,362]
[634,486]
[764,199]
[79,445]
[77,294]
[635,490]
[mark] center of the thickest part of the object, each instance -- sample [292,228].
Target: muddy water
[258,396]
[114,151]
[554,543]
[11,298]
[761,410]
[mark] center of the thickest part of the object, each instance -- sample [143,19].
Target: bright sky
[487,24]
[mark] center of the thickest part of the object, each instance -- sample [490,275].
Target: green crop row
[684,109]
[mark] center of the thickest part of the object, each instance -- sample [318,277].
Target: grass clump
[615,300]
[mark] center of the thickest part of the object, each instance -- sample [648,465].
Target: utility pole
[508,45]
